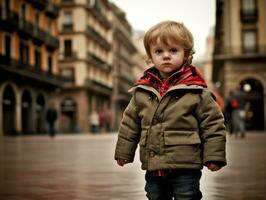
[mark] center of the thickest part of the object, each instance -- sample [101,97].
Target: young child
[173,117]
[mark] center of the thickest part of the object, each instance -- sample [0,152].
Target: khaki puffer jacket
[184,129]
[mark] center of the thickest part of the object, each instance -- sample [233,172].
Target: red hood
[188,75]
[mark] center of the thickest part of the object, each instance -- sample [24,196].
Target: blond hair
[169,32]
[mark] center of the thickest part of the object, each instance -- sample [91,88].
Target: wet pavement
[81,167]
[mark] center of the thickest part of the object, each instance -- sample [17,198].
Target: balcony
[51,42]
[66,3]
[40,4]
[98,87]
[240,53]
[97,37]
[25,29]
[68,56]
[11,67]
[98,62]
[249,16]
[126,78]
[67,28]
[52,10]
[99,16]
[8,20]
[39,35]
[104,20]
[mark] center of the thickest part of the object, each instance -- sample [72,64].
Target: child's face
[167,58]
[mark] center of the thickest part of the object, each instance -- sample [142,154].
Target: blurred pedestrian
[239,108]
[94,122]
[228,113]
[102,121]
[173,117]
[219,98]
[51,117]
[108,121]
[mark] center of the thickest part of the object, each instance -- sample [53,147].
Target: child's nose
[166,54]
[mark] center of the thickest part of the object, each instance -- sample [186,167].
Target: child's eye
[173,50]
[158,51]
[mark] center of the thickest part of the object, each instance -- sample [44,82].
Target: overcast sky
[197,15]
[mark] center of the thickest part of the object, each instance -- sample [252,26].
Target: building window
[249,13]
[24,52]
[23,12]
[50,25]
[249,41]
[7,39]
[92,3]
[50,63]
[68,48]
[7,10]
[67,21]
[37,19]
[249,5]
[95,4]
[68,73]
[37,55]
[36,23]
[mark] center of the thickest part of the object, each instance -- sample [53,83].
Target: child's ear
[149,61]
[188,57]
[187,53]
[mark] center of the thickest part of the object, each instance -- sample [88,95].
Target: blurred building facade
[140,57]
[29,71]
[96,53]
[86,59]
[123,63]
[240,53]
[205,63]
[78,53]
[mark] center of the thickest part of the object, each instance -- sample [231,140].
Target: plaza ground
[81,167]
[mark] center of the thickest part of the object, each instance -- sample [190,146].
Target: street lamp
[247,87]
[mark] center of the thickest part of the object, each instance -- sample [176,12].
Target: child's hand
[122,162]
[213,167]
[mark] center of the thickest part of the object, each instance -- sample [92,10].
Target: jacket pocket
[143,137]
[181,137]
[182,147]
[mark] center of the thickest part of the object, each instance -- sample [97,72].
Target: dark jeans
[51,129]
[179,184]
[238,120]
[94,128]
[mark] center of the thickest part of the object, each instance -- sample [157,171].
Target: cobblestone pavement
[81,167]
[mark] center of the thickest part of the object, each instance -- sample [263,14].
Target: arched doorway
[26,112]
[68,115]
[40,119]
[254,96]
[9,103]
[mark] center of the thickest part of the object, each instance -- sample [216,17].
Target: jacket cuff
[214,159]
[125,150]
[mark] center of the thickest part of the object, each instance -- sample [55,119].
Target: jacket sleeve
[212,129]
[129,132]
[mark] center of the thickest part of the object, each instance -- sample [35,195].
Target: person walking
[228,113]
[173,117]
[51,117]
[239,107]
[94,121]
[219,99]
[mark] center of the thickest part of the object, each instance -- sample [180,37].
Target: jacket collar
[188,75]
